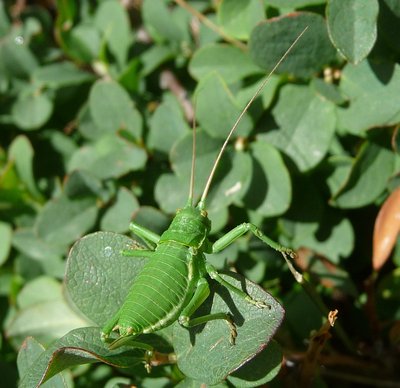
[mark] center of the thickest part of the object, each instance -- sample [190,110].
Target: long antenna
[201,204]
[192,169]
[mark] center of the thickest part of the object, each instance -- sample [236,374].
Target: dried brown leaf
[386,230]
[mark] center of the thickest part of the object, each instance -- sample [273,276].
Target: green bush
[97,102]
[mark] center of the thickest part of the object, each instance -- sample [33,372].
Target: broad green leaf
[41,289]
[27,241]
[190,383]
[21,152]
[80,346]
[237,18]
[84,42]
[369,176]
[270,40]
[112,19]
[6,233]
[331,236]
[151,218]
[109,157]
[233,176]
[270,190]
[58,75]
[366,86]
[159,22]
[171,192]
[261,369]
[17,59]
[352,27]
[31,111]
[312,225]
[97,270]
[266,95]
[112,109]
[255,329]
[307,124]
[63,219]
[339,169]
[217,109]
[30,350]
[4,20]
[167,125]
[154,57]
[81,183]
[328,91]
[119,214]
[231,63]
[294,3]
[47,321]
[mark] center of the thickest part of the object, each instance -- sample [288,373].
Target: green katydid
[173,285]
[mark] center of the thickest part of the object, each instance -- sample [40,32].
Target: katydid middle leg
[242,229]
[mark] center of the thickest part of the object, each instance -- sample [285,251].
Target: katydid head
[190,227]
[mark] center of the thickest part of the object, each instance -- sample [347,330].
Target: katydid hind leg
[200,295]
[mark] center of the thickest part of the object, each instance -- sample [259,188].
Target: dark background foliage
[96,104]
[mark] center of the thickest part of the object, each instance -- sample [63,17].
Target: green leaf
[154,57]
[366,86]
[97,270]
[167,125]
[152,218]
[307,126]
[232,179]
[4,20]
[109,157]
[171,192]
[237,18]
[369,176]
[80,346]
[231,63]
[27,241]
[21,152]
[112,109]
[83,42]
[270,40]
[41,289]
[255,329]
[63,219]
[58,75]
[294,3]
[31,111]
[217,109]
[17,59]
[270,191]
[159,23]
[47,321]
[119,214]
[30,350]
[352,27]
[6,233]
[112,19]
[261,369]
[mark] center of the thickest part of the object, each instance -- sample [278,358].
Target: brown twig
[207,22]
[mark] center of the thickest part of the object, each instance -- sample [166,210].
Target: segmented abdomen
[158,293]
